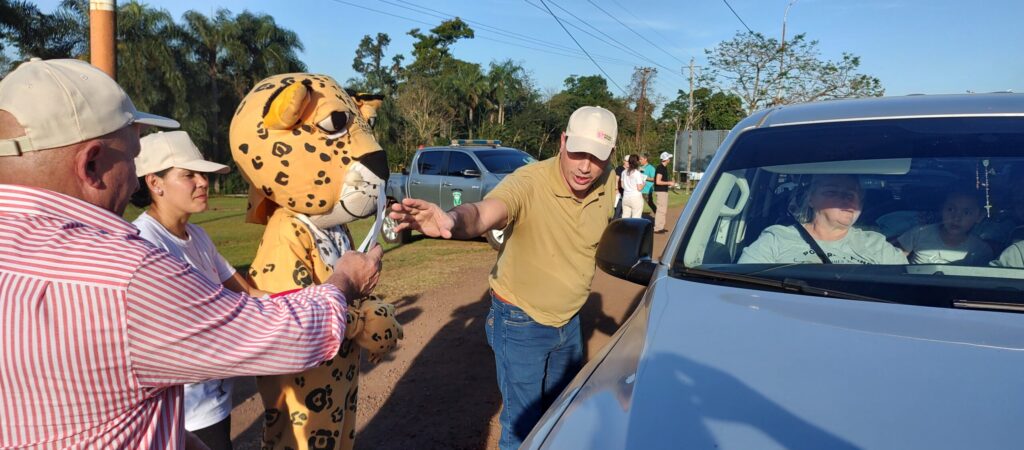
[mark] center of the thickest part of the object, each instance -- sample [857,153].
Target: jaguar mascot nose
[377,162]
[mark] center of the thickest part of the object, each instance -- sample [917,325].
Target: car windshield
[503,161]
[923,211]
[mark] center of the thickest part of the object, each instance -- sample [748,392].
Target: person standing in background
[662,181]
[648,190]
[631,183]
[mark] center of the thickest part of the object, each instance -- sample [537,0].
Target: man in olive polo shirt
[553,213]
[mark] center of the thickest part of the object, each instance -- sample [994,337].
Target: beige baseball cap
[172,149]
[61,102]
[592,129]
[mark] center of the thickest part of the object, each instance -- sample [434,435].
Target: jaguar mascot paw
[307,149]
[373,328]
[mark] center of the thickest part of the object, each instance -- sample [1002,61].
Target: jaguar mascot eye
[307,149]
[336,124]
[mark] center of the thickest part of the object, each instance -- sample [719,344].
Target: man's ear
[87,164]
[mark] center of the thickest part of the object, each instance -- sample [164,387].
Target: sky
[912,46]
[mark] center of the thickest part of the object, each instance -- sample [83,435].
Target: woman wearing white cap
[173,184]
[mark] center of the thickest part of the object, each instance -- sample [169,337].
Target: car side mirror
[470,173]
[625,250]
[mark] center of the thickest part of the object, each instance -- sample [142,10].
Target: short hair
[973,195]
[799,202]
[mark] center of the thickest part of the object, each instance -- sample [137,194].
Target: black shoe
[661,231]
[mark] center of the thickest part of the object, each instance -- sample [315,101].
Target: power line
[444,15]
[634,31]
[737,16]
[420,9]
[582,49]
[616,44]
[610,60]
[553,52]
[652,29]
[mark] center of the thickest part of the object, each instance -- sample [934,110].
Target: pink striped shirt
[99,329]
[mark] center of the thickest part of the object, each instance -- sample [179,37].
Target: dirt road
[438,390]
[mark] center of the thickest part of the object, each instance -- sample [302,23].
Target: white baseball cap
[592,129]
[665,156]
[172,149]
[60,102]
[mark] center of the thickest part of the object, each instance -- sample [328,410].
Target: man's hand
[356,274]
[422,216]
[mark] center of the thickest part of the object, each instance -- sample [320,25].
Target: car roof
[473,148]
[881,108]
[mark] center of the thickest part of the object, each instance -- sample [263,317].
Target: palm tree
[256,48]
[149,46]
[507,81]
[468,86]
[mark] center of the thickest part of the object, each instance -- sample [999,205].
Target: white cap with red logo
[592,129]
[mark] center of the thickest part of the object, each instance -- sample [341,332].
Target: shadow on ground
[448,395]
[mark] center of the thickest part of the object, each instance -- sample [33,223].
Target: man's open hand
[422,216]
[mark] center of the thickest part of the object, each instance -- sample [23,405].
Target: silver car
[750,336]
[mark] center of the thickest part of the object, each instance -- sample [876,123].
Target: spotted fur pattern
[294,168]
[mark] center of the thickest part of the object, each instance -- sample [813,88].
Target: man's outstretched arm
[462,222]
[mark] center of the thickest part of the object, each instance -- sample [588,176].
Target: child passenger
[949,242]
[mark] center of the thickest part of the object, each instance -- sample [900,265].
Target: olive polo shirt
[547,263]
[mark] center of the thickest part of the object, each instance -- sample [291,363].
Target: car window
[458,162]
[430,163]
[503,161]
[888,209]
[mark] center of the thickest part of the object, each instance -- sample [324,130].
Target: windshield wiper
[786,285]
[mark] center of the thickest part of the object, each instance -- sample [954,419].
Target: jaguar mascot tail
[306,147]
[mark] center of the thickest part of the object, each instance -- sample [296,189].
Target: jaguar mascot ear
[303,144]
[286,109]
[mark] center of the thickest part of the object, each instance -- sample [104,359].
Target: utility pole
[645,73]
[102,35]
[689,132]
[782,51]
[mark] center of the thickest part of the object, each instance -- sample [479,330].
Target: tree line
[198,68]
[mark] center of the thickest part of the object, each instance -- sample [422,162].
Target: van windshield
[923,211]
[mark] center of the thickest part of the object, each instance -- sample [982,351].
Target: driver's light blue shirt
[782,244]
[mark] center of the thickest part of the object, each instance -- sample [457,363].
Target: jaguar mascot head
[305,144]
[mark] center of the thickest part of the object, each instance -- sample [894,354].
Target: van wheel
[495,238]
[388,233]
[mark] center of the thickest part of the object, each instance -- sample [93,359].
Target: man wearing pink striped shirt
[98,328]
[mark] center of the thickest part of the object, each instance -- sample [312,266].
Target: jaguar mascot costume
[306,147]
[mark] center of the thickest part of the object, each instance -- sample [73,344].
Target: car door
[462,181]
[425,180]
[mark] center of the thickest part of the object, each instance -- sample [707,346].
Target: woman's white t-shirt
[927,247]
[208,402]
[631,180]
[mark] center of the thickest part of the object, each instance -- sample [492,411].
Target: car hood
[724,367]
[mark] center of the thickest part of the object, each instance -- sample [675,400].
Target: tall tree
[507,81]
[749,65]
[432,51]
[423,112]
[466,86]
[713,109]
[369,62]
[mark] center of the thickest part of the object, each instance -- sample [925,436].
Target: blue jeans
[534,363]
